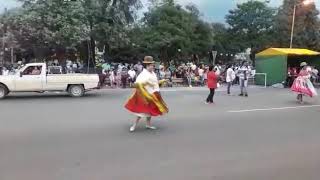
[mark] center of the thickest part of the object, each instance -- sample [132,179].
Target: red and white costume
[146,100]
[303,85]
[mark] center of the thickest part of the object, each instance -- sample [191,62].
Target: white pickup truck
[33,77]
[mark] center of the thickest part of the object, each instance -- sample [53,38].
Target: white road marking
[271,109]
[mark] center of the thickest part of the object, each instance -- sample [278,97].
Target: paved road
[264,137]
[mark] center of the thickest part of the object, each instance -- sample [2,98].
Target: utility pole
[11,55]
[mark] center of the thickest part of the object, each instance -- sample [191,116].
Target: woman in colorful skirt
[302,84]
[146,100]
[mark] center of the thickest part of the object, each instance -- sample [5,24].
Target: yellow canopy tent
[287,51]
[275,62]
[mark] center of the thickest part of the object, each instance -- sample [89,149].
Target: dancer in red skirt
[302,84]
[146,100]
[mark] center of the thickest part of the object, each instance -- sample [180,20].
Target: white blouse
[151,79]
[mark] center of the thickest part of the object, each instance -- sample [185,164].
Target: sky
[212,10]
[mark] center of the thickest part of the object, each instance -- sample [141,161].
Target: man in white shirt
[230,76]
[132,76]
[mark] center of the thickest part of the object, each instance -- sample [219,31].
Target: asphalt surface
[267,136]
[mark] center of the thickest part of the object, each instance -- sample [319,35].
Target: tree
[67,24]
[223,41]
[251,24]
[172,32]
[306,28]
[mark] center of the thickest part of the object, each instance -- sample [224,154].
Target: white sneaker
[151,127]
[132,128]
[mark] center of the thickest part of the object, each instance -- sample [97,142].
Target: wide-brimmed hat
[148,60]
[303,64]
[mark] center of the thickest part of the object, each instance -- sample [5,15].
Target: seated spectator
[162,74]
[74,67]
[69,66]
[5,71]
[168,76]
[314,75]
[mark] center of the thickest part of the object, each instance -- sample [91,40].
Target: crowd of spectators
[187,74]
[123,75]
[54,67]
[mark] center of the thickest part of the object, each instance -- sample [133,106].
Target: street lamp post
[305,3]
[292,27]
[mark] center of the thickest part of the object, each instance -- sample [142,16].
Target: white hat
[303,64]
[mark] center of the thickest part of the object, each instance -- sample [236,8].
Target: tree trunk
[253,56]
[106,51]
[93,52]
[90,62]
[164,55]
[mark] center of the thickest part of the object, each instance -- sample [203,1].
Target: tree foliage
[170,31]
[167,30]
[251,24]
[57,23]
[306,28]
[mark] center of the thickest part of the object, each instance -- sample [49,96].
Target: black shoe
[240,94]
[246,95]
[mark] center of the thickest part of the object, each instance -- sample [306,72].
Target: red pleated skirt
[138,104]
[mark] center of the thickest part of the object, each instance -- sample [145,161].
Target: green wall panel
[274,66]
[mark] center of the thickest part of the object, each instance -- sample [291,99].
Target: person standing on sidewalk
[188,75]
[244,73]
[212,84]
[146,101]
[230,76]
[132,76]
[201,75]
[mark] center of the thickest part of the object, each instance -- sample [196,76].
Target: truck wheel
[76,90]
[3,91]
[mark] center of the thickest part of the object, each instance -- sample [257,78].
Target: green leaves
[168,28]
[306,28]
[252,22]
